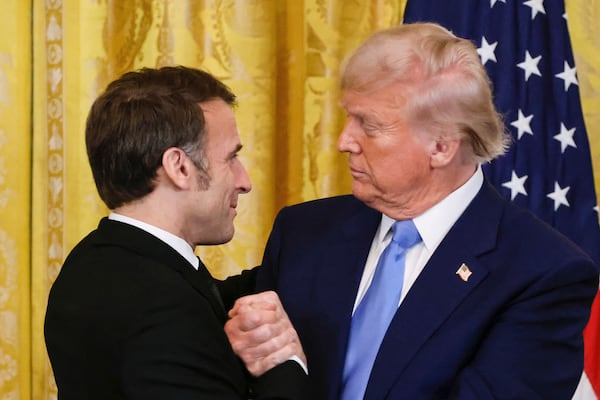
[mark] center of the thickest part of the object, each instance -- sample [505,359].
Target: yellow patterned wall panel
[82,207]
[15,200]
[583,16]
[238,44]
[333,29]
[48,180]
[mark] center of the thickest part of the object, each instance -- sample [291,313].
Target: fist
[261,333]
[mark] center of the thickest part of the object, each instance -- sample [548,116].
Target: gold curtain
[281,57]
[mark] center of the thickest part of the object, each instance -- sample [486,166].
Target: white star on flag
[565,137]
[519,30]
[568,75]
[530,65]
[559,196]
[486,51]
[522,123]
[516,185]
[536,6]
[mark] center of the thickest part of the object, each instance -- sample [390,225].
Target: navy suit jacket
[129,318]
[513,330]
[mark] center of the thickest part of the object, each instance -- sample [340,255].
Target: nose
[347,142]
[244,184]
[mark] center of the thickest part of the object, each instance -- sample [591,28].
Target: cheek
[223,176]
[405,166]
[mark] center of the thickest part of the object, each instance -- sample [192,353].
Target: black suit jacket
[129,318]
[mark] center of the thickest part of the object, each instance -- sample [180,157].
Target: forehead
[220,122]
[216,111]
[388,96]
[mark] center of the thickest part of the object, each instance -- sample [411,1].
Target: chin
[369,197]
[217,238]
[228,235]
[361,192]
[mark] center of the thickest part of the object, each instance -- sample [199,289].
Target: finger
[264,364]
[254,304]
[242,338]
[250,351]
[267,297]
[248,318]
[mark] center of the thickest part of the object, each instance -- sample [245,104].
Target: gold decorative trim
[55,143]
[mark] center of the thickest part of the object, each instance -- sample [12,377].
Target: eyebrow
[236,150]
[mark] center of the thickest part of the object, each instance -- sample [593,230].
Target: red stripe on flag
[591,338]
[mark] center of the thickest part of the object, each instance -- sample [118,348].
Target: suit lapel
[337,281]
[147,245]
[438,290]
[203,282]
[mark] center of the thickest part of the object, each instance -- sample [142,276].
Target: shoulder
[524,228]
[527,246]
[330,207]
[320,221]
[518,228]
[326,214]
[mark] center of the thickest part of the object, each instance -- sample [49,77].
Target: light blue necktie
[377,308]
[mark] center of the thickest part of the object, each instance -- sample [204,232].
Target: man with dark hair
[134,314]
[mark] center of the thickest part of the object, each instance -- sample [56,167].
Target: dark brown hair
[140,116]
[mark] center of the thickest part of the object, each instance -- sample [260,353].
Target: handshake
[261,333]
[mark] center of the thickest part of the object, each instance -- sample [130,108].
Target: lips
[356,173]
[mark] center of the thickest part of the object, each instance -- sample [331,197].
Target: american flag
[525,47]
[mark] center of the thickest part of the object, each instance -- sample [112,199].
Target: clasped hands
[261,333]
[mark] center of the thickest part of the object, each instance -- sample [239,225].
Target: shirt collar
[177,243]
[434,223]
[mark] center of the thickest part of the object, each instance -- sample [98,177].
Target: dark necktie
[212,287]
[377,308]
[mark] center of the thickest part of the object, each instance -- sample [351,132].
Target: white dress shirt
[177,243]
[432,225]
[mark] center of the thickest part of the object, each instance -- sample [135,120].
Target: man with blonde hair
[426,283]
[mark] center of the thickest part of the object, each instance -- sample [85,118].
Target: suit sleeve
[177,349]
[237,286]
[174,354]
[534,348]
[286,381]
[265,277]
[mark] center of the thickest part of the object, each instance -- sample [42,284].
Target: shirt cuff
[299,361]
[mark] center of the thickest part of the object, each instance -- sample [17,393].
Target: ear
[177,167]
[443,150]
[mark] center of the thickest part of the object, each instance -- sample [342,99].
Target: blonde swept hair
[445,88]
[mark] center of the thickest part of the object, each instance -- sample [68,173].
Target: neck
[440,186]
[152,212]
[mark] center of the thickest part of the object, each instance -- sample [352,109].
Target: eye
[232,158]
[370,127]
[233,155]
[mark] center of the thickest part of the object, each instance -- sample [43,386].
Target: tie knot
[405,233]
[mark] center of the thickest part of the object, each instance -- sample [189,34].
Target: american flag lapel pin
[464,272]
